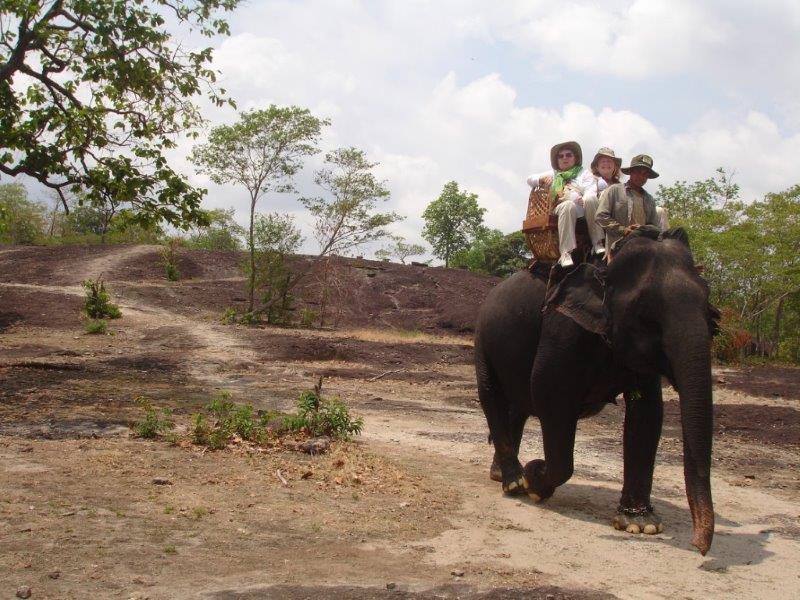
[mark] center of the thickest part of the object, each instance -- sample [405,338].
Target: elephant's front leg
[644,414]
[558,438]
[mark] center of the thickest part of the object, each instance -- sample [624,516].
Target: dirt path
[421,506]
[212,348]
[569,538]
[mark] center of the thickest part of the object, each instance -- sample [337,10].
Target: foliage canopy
[751,258]
[452,222]
[94,92]
[347,217]
[262,152]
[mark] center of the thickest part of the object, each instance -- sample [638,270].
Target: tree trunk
[776,338]
[324,299]
[251,283]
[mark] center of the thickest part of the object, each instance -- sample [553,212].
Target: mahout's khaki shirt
[621,206]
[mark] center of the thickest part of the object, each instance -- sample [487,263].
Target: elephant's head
[652,306]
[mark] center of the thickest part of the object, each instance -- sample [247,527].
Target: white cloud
[452,90]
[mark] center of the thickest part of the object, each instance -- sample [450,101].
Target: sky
[478,92]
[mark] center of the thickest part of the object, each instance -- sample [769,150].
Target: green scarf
[561,178]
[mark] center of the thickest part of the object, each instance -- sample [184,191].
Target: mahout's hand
[630,228]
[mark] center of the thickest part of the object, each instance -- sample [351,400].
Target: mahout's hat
[641,160]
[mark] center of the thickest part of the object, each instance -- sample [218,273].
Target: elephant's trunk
[690,358]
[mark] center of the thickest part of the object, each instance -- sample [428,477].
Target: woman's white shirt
[584,184]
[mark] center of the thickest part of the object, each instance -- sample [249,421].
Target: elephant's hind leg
[506,467]
[517,424]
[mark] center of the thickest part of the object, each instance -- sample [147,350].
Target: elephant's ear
[580,296]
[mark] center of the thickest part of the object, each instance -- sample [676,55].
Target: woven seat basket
[541,227]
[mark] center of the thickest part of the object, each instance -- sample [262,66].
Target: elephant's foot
[638,520]
[534,474]
[513,480]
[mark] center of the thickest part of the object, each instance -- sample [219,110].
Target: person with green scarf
[567,182]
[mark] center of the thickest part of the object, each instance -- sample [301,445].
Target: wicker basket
[541,227]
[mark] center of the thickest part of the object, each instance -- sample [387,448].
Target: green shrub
[96,326]
[322,416]
[223,419]
[97,304]
[155,423]
[169,258]
[308,316]
[229,317]
[200,430]
[248,318]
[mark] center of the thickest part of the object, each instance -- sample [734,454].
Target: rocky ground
[407,511]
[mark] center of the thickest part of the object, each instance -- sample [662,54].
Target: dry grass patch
[404,336]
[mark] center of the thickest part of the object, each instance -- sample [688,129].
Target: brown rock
[318,445]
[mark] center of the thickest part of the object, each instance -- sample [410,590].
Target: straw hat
[607,152]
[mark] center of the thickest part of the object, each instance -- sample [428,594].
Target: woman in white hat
[606,170]
[568,181]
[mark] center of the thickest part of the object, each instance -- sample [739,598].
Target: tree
[94,92]
[93,218]
[221,233]
[751,257]
[507,255]
[493,253]
[21,221]
[262,151]
[452,221]
[400,250]
[347,217]
[276,236]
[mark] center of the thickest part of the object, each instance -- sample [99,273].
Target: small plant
[229,317]
[321,416]
[222,420]
[201,430]
[97,304]
[96,326]
[155,423]
[308,316]
[170,549]
[169,258]
[248,318]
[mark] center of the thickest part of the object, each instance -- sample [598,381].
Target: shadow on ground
[450,592]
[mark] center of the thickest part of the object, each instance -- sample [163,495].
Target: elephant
[561,352]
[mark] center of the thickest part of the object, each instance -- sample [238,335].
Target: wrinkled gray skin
[656,317]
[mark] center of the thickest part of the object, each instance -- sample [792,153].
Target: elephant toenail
[632,528]
[650,529]
[535,497]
